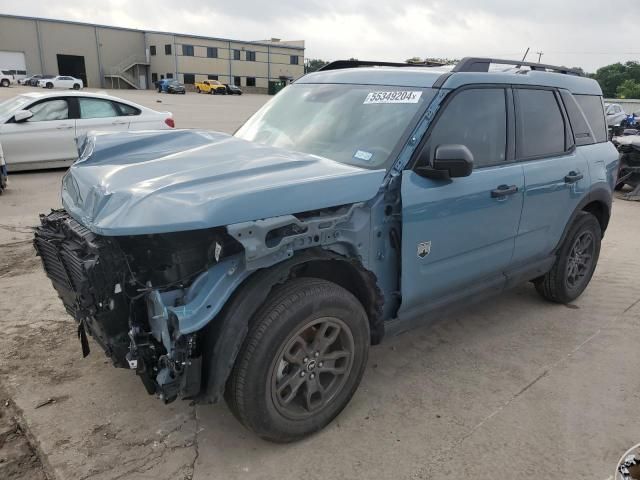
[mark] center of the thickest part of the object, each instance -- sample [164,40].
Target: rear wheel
[301,362]
[5,82]
[575,262]
[198,90]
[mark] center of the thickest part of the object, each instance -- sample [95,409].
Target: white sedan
[39,130]
[61,81]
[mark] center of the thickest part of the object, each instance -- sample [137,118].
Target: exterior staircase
[128,71]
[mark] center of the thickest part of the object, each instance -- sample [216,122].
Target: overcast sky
[585,33]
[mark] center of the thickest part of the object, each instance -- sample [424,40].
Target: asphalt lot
[514,387]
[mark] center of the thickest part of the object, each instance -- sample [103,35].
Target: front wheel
[49,85]
[76,86]
[575,263]
[301,362]
[5,82]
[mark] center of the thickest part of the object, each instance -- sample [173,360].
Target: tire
[198,90]
[76,86]
[557,285]
[5,82]
[297,314]
[49,85]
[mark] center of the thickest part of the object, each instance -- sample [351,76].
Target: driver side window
[476,118]
[50,110]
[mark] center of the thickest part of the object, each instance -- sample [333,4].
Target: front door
[48,136]
[458,235]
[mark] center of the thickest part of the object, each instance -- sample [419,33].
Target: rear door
[556,173]
[99,114]
[48,136]
[458,235]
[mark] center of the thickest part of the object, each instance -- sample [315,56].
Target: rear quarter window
[582,132]
[594,113]
[127,110]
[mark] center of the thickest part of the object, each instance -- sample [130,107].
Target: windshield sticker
[401,96]
[362,155]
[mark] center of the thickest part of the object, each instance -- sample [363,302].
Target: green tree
[314,64]
[612,76]
[628,89]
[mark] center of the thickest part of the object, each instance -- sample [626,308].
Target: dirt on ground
[18,459]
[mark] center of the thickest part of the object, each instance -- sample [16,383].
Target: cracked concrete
[515,386]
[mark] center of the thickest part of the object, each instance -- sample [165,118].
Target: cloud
[583,33]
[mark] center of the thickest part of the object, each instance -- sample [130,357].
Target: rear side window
[540,127]
[476,118]
[96,108]
[592,107]
[581,129]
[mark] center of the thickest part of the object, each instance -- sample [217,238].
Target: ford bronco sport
[358,202]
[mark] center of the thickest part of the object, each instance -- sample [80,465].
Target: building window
[189,78]
[251,81]
[169,75]
[236,54]
[152,50]
[212,52]
[212,77]
[187,50]
[167,49]
[236,81]
[250,56]
[294,60]
[154,77]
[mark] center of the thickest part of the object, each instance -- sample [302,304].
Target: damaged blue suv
[358,203]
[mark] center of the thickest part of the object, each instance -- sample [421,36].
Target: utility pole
[540,56]
[525,54]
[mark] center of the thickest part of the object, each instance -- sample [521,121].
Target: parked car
[615,114]
[232,89]
[6,79]
[25,80]
[61,81]
[33,81]
[39,130]
[174,86]
[356,204]
[213,87]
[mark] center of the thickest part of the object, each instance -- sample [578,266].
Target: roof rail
[340,64]
[475,64]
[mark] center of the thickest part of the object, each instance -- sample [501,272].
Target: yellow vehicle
[213,87]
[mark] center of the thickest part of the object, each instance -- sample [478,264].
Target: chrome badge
[424,248]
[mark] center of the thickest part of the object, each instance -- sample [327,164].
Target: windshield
[9,107]
[354,124]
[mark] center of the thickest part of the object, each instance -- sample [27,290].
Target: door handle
[573,177]
[503,191]
[64,127]
[119,123]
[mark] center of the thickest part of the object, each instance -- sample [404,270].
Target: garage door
[13,61]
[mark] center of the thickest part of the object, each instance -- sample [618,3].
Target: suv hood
[166,181]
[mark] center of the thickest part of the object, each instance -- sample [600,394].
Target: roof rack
[340,64]
[475,64]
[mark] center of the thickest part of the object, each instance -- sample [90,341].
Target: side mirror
[22,116]
[450,161]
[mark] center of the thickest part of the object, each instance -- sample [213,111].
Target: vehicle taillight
[169,121]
